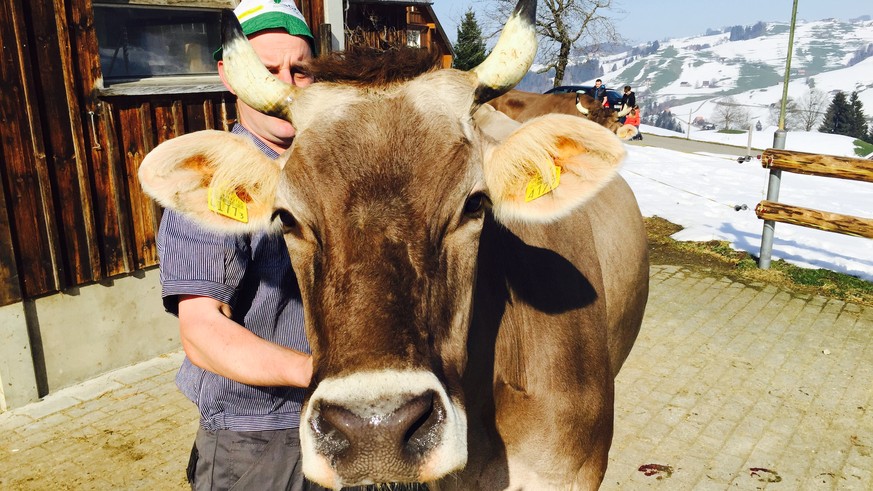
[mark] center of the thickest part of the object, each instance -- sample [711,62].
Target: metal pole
[779,143]
[688,136]
[749,144]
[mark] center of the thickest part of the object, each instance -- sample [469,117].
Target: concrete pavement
[729,386]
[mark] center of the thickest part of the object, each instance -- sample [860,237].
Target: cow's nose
[399,438]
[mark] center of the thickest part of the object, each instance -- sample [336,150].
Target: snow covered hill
[691,75]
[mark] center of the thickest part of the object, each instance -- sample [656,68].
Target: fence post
[778,142]
[772,195]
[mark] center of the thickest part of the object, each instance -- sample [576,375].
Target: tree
[470,48]
[857,121]
[730,115]
[565,26]
[810,108]
[792,121]
[837,119]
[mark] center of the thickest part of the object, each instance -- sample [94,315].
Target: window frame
[161,84]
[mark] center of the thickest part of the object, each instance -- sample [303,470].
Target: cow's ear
[549,166]
[218,179]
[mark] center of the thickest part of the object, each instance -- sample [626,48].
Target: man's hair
[627,87]
[598,80]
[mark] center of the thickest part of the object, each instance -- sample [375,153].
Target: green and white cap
[259,15]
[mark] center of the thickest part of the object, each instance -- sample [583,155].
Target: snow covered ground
[700,192]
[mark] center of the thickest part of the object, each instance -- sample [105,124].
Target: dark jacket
[629,99]
[598,93]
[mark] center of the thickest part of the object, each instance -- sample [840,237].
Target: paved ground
[729,386]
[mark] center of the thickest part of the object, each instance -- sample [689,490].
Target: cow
[522,106]
[471,284]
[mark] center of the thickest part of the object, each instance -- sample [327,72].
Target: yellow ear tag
[225,202]
[536,187]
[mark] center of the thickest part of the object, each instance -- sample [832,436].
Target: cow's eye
[475,203]
[287,220]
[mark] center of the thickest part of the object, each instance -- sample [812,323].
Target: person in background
[240,313]
[598,92]
[633,118]
[628,100]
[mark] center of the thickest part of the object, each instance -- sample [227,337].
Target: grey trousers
[247,460]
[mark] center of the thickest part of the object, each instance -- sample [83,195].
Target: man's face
[597,83]
[282,54]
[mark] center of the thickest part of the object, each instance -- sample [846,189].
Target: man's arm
[216,343]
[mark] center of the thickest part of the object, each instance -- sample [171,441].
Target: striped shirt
[252,274]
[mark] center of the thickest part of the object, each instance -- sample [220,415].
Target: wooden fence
[817,165]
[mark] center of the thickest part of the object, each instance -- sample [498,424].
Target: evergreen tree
[470,48]
[858,121]
[837,118]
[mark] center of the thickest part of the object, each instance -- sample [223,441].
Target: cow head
[381,200]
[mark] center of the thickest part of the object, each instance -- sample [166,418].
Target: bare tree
[811,107]
[567,25]
[730,115]
[792,114]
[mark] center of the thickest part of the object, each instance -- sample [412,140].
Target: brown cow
[456,343]
[522,106]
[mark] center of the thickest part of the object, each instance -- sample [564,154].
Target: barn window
[139,42]
[413,38]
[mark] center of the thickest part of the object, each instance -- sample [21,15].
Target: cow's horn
[582,109]
[624,111]
[247,76]
[512,56]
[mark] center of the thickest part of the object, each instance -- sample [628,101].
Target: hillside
[691,74]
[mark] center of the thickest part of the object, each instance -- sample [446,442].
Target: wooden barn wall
[72,209]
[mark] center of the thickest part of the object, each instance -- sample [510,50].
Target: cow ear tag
[227,203]
[537,187]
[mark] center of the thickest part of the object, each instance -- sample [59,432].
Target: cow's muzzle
[381,427]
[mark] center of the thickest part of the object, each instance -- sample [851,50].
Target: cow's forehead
[407,146]
[442,94]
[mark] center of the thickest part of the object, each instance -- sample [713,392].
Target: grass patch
[732,132]
[633,71]
[719,258]
[755,75]
[862,148]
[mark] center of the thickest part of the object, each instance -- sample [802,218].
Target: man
[598,92]
[240,312]
[628,101]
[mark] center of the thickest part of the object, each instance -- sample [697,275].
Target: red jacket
[633,118]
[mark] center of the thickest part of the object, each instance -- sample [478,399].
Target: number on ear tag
[226,202]
[537,187]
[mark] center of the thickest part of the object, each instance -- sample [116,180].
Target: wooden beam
[25,168]
[821,220]
[818,165]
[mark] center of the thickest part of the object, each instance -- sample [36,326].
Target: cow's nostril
[332,440]
[423,433]
[405,434]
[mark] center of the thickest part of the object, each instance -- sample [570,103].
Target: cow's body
[523,106]
[467,347]
[558,306]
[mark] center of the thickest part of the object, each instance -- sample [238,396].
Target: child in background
[633,118]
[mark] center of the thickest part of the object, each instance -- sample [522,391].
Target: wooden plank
[101,145]
[137,142]
[818,165]
[821,220]
[168,119]
[63,139]
[195,115]
[10,290]
[26,173]
[117,229]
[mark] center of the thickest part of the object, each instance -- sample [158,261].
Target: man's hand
[216,343]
